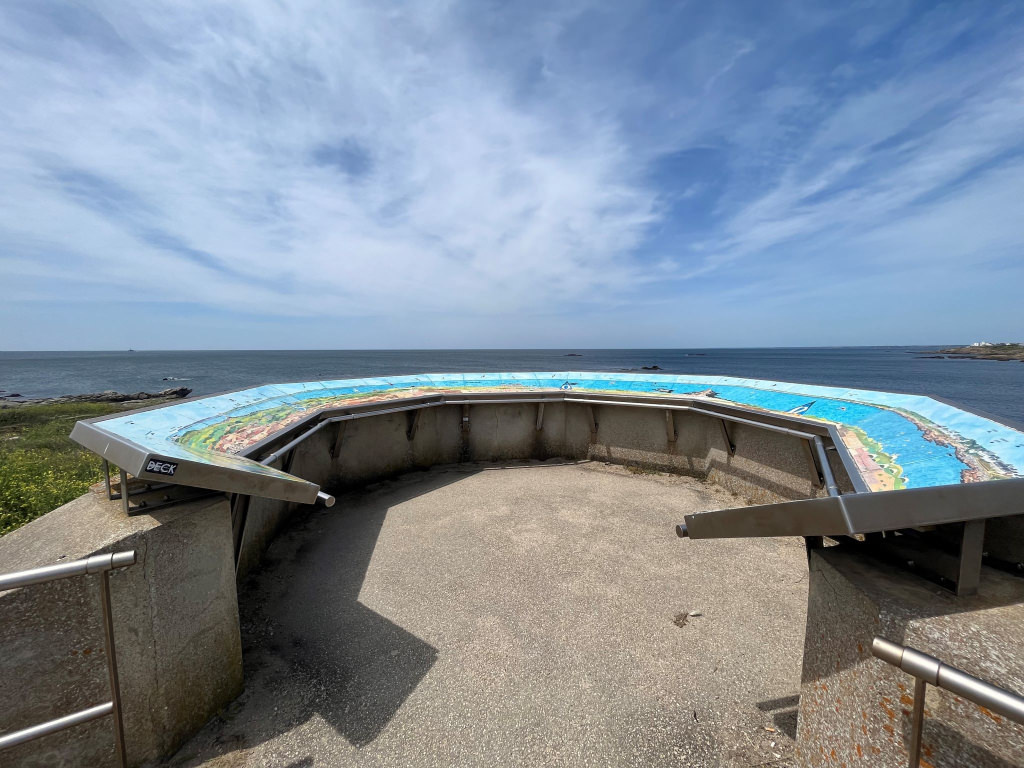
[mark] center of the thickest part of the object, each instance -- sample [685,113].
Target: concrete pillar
[175,625]
[855,709]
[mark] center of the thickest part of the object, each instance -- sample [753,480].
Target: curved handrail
[927,669]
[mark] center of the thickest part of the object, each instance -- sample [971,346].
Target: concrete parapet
[175,625]
[766,466]
[176,616]
[855,709]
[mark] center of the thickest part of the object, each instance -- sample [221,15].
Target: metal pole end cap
[887,651]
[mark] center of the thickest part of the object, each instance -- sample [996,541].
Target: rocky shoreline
[1003,352]
[110,396]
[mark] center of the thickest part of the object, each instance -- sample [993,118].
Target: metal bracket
[670,428]
[145,506]
[972,545]
[593,423]
[124,493]
[729,444]
[540,416]
[926,554]
[813,461]
[465,418]
[123,487]
[286,465]
[414,423]
[106,479]
[125,498]
[239,517]
[338,438]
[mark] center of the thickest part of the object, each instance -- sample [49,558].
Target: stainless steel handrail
[927,669]
[97,564]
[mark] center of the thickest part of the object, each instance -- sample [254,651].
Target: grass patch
[636,469]
[40,468]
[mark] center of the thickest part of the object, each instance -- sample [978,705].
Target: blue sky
[490,174]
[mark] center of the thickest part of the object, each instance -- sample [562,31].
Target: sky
[343,175]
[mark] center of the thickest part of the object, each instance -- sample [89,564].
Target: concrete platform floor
[529,615]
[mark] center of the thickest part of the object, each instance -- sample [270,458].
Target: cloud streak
[376,164]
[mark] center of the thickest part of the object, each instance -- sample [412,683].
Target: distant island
[985,350]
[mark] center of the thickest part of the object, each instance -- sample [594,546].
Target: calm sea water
[993,387]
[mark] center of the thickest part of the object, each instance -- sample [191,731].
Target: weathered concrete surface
[175,625]
[519,616]
[855,709]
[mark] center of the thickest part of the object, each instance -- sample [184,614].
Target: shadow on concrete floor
[557,647]
[302,621]
[784,713]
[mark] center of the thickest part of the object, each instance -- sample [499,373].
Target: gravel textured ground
[540,614]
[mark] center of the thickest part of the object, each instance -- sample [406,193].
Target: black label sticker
[161,466]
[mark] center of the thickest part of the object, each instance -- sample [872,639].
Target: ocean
[992,387]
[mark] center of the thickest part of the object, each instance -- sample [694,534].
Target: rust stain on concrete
[988,713]
[887,707]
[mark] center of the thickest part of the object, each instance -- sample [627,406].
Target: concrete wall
[855,709]
[767,466]
[175,626]
[176,613]
[852,706]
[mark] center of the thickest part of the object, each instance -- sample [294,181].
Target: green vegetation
[636,469]
[40,468]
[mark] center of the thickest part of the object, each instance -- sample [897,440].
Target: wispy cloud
[258,156]
[453,165]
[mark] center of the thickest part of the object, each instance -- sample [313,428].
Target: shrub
[40,467]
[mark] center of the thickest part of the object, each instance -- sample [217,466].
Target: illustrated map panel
[897,441]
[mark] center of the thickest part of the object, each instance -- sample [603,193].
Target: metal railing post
[115,686]
[917,722]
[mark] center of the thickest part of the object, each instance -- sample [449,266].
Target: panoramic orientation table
[913,461]
[895,441]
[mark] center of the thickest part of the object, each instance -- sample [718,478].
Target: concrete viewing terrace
[524,614]
[500,582]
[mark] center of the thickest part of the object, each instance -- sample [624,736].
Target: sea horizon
[473,349]
[990,387]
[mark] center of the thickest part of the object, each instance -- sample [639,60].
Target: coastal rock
[986,351]
[110,396]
